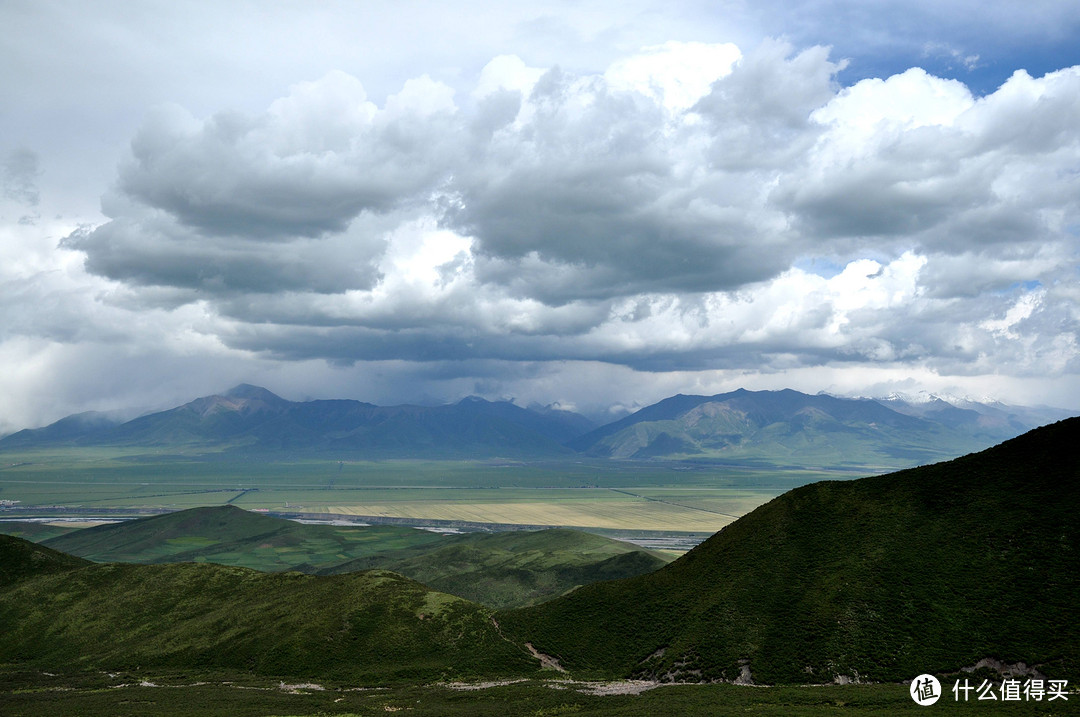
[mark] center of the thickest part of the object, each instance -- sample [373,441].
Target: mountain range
[768,427]
[789,427]
[251,419]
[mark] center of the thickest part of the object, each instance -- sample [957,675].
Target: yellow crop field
[594,509]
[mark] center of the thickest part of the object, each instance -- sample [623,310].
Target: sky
[589,205]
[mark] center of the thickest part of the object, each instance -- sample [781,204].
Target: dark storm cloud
[349,344]
[281,175]
[154,250]
[307,167]
[294,199]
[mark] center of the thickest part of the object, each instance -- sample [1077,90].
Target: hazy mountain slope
[992,421]
[232,536]
[928,569]
[781,428]
[253,420]
[69,430]
[211,419]
[975,419]
[371,627]
[513,568]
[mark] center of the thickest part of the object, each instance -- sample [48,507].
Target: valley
[226,580]
[539,359]
[688,465]
[594,494]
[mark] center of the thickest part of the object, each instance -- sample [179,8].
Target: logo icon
[925,690]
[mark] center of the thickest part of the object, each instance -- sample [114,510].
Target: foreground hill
[792,428]
[370,627]
[253,420]
[21,559]
[499,570]
[884,578]
[513,568]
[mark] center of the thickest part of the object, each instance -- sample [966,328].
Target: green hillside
[21,559]
[371,627]
[514,568]
[883,578]
[499,570]
[232,536]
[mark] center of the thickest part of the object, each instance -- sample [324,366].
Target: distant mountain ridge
[777,428]
[793,427]
[250,418]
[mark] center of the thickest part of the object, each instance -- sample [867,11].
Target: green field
[504,569]
[598,494]
[230,536]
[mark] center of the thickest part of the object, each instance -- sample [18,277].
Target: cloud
[979,42]
[153,249]
[309,165]
[676,74]
[602,178]
[640,216]
[296,198]
[19,171]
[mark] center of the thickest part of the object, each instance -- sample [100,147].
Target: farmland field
[610,495]
[695,510]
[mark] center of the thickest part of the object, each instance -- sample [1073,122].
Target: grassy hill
[883,578]
[232,536]
[21,559]
[58,613]
[514,568]
[498,570]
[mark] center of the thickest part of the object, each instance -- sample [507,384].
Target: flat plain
[599,494]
